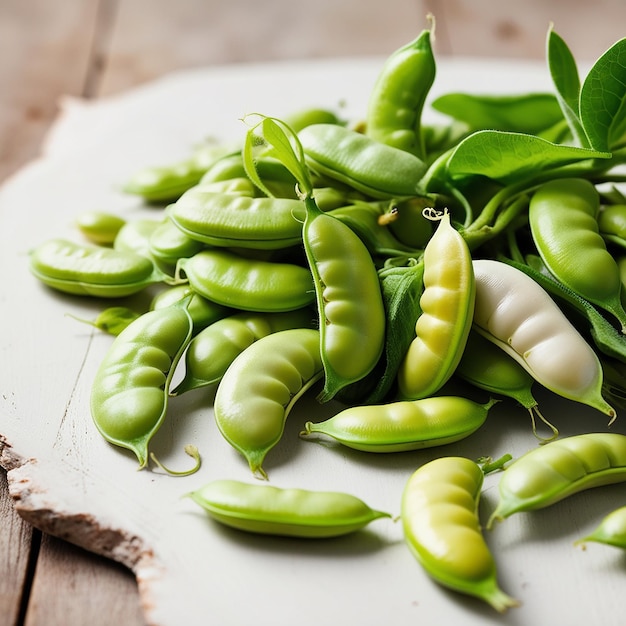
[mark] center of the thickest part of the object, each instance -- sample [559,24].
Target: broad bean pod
[518,315]
[269,510]
[231,220]
[248,284]
[92,270]
[349,300]
[563,220]
[486,366]
[405,425]
[259,389]
[447,306]
[135,235]
[129,394]
[372,167]
[396,101]
[214,348]
[441,526]
[559,469]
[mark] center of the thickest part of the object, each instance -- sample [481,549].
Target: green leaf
[284,146]
[510,157]
[523,113]
[566,80]
[603,99]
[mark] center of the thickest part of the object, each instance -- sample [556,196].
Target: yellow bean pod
[442,529]
[447,309]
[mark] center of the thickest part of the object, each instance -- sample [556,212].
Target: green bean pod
[213,349]
[269,510]
[486,366]
[561,468]
[397,99]
[369,166]
[231,220]
[442,529]
[248,284]
[169,182]
[447,306]
[349,300]
[92,270]
[129,395]
[563,221]
[611,530]
[259,389]
[405,425]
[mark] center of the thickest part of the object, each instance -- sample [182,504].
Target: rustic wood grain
[16,541]
[72,586]
[44,53]
[511,29]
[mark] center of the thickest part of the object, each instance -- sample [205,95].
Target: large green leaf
[603,99]
[509,157]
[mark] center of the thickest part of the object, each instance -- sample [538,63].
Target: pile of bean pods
[376,261]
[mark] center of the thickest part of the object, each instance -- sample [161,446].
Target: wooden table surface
[95,48]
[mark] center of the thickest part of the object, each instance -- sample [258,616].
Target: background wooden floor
[93,48]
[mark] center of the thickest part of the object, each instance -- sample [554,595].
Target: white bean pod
[517,314]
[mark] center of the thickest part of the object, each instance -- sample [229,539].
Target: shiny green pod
[225,220]
[259,389]
[99,227]
[548,474]
[563,219]
[92,270]
[214,348]
[248,284]
[269,510]
[129,394]
[367,165]
[405,425]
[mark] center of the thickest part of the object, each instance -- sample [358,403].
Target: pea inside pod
[261,386]
[441,526]
[270,510]
[92,270]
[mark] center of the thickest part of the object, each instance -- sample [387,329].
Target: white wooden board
[68,481]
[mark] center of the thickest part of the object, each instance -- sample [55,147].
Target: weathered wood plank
[44,53]
[154,37]
[72,587]
[16,539]
[508,29]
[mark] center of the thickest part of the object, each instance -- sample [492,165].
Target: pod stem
[192,451]
[488,465]
[534,410]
